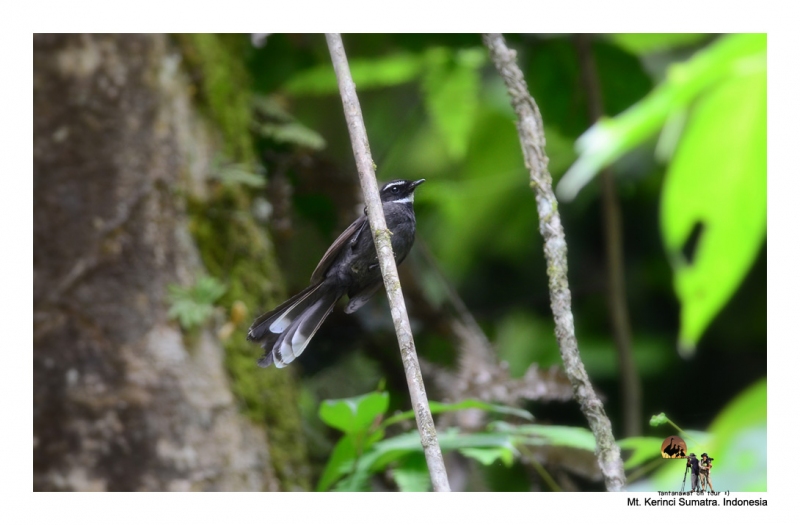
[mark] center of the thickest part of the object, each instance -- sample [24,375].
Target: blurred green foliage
[435,108]
[193,305]
[363,451]
[717,179]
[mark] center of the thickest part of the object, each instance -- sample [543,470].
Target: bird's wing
[341,242]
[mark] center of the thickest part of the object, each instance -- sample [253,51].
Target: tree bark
[123,400]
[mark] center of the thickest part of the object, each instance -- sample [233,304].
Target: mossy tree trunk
[123,399]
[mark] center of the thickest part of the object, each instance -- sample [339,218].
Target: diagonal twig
[383,245]
[531,134]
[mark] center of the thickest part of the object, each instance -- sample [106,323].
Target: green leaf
[394,449]
[644,43]
[490,189]
[355,414]
[644,449]
[391,70]
[193,305]
[451,87]
[412,474]
[609,139]
[488,456]
[347,449]
[235,174]
[281,126]
[552,435]
[739,441]
[292,133]
[343,453]
[718,180]
[438,408]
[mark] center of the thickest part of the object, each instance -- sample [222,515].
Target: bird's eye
[395,189]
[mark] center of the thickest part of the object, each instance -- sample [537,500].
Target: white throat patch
[410,198]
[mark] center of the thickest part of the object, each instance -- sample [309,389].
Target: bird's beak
[417,183]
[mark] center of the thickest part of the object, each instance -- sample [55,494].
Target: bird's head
[400,191]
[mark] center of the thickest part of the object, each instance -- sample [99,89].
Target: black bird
[349,266]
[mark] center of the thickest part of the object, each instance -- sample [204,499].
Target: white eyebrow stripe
[393,184]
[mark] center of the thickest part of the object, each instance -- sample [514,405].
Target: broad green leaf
[489,456]
[347,449]
[739,441]
[342,454]
[412,474]
[358,481]
[609,139]
[717,180]
[393,449]
[438,408]
[355,414]
[367,74]
[451,85]
[644,43]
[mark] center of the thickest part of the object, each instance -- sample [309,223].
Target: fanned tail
[286,331]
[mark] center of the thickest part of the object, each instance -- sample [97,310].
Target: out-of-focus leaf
[412,474]
[717,180]
[355,414]
[274,122]
[644,43]
[395,448]
[344,453]
[193,305]
[367,74]
[488,456]
[238,174]
[292,133]
[552,435]
[739,441]
[451,84]
[607,140]
[644,449]
[491,190]
[438,408]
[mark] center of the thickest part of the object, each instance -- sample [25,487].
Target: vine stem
[531,136]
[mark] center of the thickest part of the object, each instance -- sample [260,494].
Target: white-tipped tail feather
[285,332]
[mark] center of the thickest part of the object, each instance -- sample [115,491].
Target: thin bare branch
[531,133]
[383,245]
[631,385]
